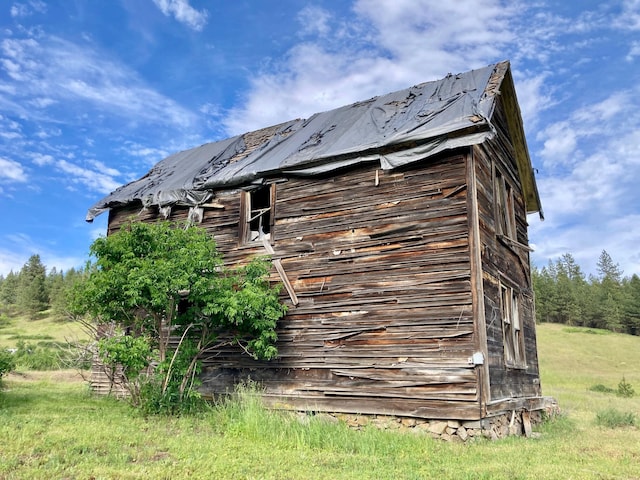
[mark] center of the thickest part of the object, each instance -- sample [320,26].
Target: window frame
[252,207]
[512,332]
[504,205]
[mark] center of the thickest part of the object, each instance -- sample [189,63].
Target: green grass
[51,428]
[43,329]
[613,418]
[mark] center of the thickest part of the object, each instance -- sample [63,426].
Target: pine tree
[609,293]
[32,292]
[544,286]
[607,269]
[632,305]
[55,289]
[9,289]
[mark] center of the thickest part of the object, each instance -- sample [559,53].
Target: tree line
[607,300]
[33,290]
[563,293]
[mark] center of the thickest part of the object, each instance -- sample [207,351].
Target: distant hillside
[45,329]
[574,360]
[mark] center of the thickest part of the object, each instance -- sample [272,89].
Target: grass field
[34,331]
[50,427]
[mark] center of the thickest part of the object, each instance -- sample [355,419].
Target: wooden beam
[280,269]
[477,289]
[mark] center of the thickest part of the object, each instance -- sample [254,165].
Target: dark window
[505,210]
[257,212]
[513,339]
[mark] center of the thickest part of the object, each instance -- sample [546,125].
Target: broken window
[504,203]
[512,328]
[258,214]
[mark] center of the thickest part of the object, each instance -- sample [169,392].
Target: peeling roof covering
[394,130]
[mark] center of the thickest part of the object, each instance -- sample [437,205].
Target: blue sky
[92,94]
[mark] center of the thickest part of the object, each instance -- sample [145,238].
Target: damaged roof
[392,130]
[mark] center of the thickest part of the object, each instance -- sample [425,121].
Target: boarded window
[504,206]
[513,339]
[257,214]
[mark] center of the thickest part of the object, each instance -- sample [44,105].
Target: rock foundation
[499,426]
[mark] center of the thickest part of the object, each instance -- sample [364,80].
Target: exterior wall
[380,264]
[505,263]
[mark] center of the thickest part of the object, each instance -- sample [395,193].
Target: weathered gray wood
[283,275]
[388,279]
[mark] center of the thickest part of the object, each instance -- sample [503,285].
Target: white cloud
[49,132]
[23,247]
[604,110]
[26,9]
[10,135]
[12,171]
[10,129]
[534,96]
[41,159]
[101,167]
[559,144]
[183,12]
[383,46]
[42,102]
[634,51]
[314,21]
[9,261]
[51,71]
[589,183]
[97,231]
[95,180]
[629,19]
[585,246]
[563,141]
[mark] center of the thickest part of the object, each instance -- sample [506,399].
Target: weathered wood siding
[380,264]
[508,263]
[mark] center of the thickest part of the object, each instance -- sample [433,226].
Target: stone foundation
[499,426]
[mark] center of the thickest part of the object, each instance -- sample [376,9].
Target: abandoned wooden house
[399,227]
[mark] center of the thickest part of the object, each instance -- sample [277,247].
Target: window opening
[511,327]
[505,210]
[259,214]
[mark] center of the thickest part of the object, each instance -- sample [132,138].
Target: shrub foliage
[613,418]
[7,362]
[167,291]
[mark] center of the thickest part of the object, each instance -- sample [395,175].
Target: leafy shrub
[7,362]
[613,418]
[36,357]
[4,320]
[151,279]
[601,388]
[625,389]
[128,356]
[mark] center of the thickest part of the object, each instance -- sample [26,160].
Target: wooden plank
[476,277]
[283,275]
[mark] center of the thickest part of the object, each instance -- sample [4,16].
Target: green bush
[7,362]
[601,388]
[613,418]
[48,355]
[32,356]
[163,277]
[4,320]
